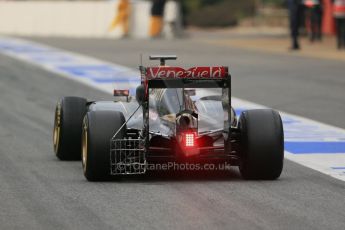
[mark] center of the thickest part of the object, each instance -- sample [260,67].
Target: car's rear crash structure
[177,115]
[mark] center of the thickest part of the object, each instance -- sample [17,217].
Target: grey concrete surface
[39,192]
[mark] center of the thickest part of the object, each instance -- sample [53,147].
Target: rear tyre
[262,141]
[69,115]
[98,129]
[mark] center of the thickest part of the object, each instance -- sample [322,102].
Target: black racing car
[177,115]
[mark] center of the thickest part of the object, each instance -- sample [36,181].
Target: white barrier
[70,18]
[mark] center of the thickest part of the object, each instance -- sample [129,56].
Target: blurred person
[295,8]
[157,12]
[339,15]
[171,19]
[314,12]
[122,17]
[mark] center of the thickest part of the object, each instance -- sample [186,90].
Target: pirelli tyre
[262,144]
[69,114]
[98,129]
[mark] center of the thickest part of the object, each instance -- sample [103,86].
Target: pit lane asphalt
[39,192]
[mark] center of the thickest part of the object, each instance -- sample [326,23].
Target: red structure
[328,26]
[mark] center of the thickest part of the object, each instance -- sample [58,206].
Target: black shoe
[295,47]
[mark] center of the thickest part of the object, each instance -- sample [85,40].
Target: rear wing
[176,77]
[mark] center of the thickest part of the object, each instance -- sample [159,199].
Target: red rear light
[189,143]
[189,139]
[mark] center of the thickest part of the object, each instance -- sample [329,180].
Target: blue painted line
[117,80]
[132,91]
[93,68]
[101,74]
[315,147]
[87,68]
[52,58]
[286,120]
[338,168]
[289,120]
[23,48]
[239,111]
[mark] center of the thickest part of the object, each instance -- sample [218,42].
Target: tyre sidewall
[72,111]
[262,141]
[101,126]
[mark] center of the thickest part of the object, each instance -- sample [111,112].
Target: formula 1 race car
[177,115]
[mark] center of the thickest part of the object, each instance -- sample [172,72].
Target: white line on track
[310,143]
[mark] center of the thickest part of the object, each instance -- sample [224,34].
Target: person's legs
[294,16]
[313,24]
[308,22]
[342,33]
[294,33]
[319,23]
[297,23]
[157,14]
[125,26]
[338,28]
[156,26]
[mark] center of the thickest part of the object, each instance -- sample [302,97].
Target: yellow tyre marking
[84,145]
[57,128]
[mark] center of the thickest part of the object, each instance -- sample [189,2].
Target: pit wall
[71,18]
